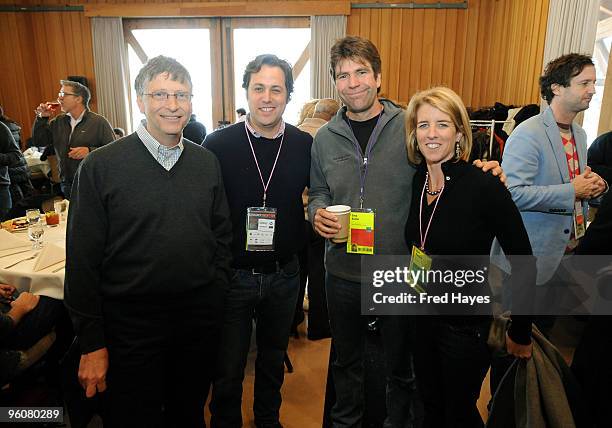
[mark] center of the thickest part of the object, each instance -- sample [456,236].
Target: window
[289,44]
[216,52]
[178,44]
[601,54]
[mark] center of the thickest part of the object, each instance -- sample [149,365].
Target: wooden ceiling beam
[220,9]
[301,62]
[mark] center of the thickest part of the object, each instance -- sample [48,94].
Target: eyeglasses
[163,96]
[63,94]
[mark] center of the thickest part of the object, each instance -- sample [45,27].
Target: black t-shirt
[362,130]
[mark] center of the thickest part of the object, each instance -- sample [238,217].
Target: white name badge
[260,227]
[579,223]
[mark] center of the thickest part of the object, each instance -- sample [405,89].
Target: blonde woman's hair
[447,101]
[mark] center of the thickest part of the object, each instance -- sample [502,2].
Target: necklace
[431,192]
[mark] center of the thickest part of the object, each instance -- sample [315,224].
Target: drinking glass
[35,232]
[33,216]
[52,218]
[61,208]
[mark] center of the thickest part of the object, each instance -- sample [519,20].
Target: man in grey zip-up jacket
[360,156]
[334,180]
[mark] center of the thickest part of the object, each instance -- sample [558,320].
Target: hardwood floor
[304,389]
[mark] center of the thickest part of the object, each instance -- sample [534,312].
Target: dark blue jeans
[349,328]
[269,299]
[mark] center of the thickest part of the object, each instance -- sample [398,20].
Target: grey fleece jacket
[334,179]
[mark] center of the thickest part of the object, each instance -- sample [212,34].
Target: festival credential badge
[361,232]
[260,226]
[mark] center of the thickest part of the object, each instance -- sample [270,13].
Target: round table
[46,282]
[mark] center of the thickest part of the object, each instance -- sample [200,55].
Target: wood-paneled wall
[490,52]
[84,2]
[37,50]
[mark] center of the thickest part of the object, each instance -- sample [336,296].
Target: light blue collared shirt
[166,156]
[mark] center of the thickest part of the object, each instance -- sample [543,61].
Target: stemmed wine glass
[35,228]
[35,232]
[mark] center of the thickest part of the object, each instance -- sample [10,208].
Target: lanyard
[266,184]
[363,167]
[424,237]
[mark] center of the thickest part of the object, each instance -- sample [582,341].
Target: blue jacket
[538,179]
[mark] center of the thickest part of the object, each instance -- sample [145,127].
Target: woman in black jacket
[457,210]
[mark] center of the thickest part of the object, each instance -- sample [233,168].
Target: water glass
[33,216]
[35,232]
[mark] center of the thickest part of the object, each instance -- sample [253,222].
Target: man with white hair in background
[324,110]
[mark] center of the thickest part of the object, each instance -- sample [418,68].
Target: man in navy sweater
[148,258]
[266,165]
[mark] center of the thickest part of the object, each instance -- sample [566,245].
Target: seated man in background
[26,330]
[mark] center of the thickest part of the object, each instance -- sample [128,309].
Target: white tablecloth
[44,282]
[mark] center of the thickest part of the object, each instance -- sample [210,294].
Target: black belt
[267,268]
